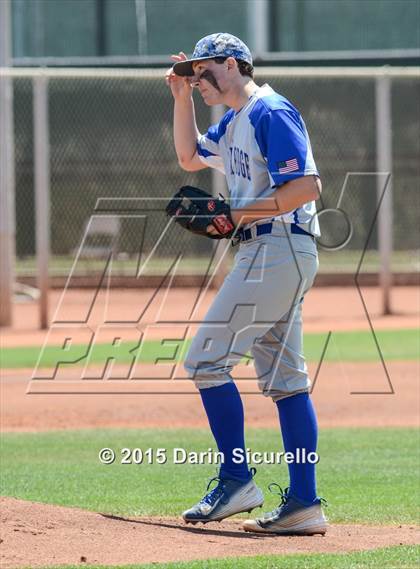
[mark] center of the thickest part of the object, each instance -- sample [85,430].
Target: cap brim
[185,68]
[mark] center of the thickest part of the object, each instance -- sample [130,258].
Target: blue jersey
[259,148]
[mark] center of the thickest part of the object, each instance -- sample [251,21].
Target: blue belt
[246,234]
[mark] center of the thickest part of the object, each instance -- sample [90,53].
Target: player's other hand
[180,86]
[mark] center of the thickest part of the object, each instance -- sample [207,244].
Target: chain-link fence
[110,136]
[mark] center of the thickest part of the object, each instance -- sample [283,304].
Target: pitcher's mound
[38,535]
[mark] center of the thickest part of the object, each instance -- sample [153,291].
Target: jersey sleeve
[284,142]
[208,148]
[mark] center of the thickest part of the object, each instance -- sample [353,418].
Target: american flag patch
[288,166]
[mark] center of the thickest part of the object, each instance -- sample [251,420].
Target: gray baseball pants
[259,309]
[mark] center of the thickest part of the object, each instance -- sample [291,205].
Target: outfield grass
[367,475]
[402,557]
[357,346]
[330,261]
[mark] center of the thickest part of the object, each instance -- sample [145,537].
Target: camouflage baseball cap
[215,45]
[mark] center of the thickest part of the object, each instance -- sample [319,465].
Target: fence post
[7,170]
[258,27]
[42,191]
[218,183]
[141,26]
[384,166]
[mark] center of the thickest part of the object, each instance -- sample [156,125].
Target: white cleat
[229,497]
[291,518]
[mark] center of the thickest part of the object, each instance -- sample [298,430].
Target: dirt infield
[325,309]
[41,535]
[336,404]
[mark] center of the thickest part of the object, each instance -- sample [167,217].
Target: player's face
[211,80]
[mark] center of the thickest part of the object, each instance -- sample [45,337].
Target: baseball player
[262,146]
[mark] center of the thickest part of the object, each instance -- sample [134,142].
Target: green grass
[344,346]
[367,475]
[402,557]
[346,260]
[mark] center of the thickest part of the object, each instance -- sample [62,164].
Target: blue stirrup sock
[299,431]
[225,413]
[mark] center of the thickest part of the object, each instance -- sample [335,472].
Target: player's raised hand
[180,86]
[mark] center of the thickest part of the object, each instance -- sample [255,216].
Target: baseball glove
[196,210]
